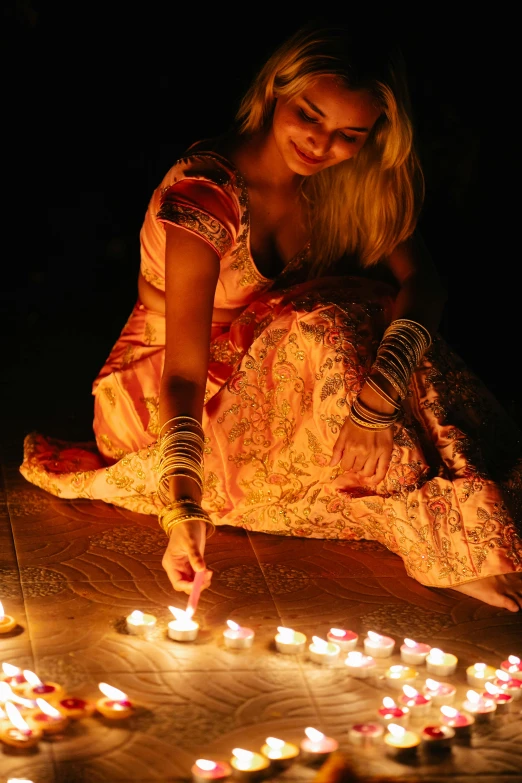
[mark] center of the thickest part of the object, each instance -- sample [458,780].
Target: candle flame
[5,692]
[244,757]
[396,670]
[513,660]
[320,643]
[19,780]
[314,735]
[388,703]
[136,618]
[232,625]
[354,658]
[473,697]
[375,637]
[112,693]
[410,643]
[286,634]
[436,655]
[432,685]
[32,678]
[14,716]
[274,743]
[10,670]
[2,613]
[502,675]
[337,632]
[492,689]
[449,712]
[48,709]
[479,669]
[2,713]
[184,618]
[206,765]
[409,691]
[396,730]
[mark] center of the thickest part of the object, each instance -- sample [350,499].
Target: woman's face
[324,125]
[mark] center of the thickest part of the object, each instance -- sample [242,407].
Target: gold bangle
[382,394]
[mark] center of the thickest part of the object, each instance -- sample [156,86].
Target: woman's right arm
[191,275]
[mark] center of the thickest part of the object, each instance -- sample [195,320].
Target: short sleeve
[205,206]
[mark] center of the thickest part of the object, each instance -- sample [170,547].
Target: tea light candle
[441,663]
[397,676]
[418,703]
[401,742]
[116,704]
[321,651]
[435,739]
[414,652]
[7,623]
[280,753]
[347,640]
[359,665]
[24,706]
[378,646]
[508,684]
[512,666]
[391,713]
[440,692]
[461,722]
[248,765]
[139,623]
[183,628]
[483,709]
[316,746]
[17,733]
[75,709]
[479,673]
[48,718]
[289,642]
[502,699]
[14,677]
[37,689]
[204,770]
[365,734]
[237,637]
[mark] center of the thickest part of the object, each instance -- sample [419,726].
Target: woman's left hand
[363,451]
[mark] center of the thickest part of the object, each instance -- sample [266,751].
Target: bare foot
[504,590]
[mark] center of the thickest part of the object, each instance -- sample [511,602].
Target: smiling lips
[307,158]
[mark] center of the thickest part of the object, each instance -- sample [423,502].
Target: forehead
[341,105]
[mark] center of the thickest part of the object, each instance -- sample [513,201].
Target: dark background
[101,100]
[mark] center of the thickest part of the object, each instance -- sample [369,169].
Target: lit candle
[75,709]
[321,651]
[483,709]
[512,666]
[316,746]
[360,665]
[248,765]
[479,673]
[441,663]
[398,675]
[392,713]
[48,718]
[115,705]
[440,692]
[378,646]
[7,623]
[510,685]
[418,703]
[289,642]
[36,688]
[346,640]
[17,733]
[25,706]
[365,734]
[14,677]
[414,652]
[460,721]
[502,699]
[139,623]
[204,769]
[401,742]
[435,739]
[19,780]
[183,628]
[237,637]
[280,753]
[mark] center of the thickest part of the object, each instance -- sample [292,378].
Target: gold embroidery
[152,405]
[128,356]
[199,222]
[113,451]
[150,334]
[109,393]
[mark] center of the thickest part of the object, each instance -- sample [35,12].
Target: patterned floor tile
[15,645]
[34,764]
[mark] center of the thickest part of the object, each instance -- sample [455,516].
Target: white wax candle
[502,699]
[460,721]
[511,685]
[439,692]
[378,646]
[183,628]
[280,753]
[247,764]
[204,770]
[138,623]
[237,637]
[316,746]
[7,623]
[418,703]
[441,663]
[289,642]
[365,734]
[323,652]
[479,673]
[483,709]
[398,675]
[359,665]
[414,652]
[513,666]
[347,640]
[400,741]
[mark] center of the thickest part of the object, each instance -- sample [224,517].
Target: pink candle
[237,637]
[316,746]
[440,692]
[391,713]
[512,666]
[508,684]
[359,665]
[475,704]
[414,652]
[378,646]
[418,703]
[365,734]
[461,722]
[437,738]
[346,640]
[502,699]
[204,769]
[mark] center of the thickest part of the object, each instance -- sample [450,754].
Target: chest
[277,233]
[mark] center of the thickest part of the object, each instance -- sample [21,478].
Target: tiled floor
[70,571]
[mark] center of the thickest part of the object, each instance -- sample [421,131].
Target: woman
[281,370]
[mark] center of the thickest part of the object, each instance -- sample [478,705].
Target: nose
[319,141]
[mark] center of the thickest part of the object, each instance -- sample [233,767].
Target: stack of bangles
[181,444]
[402,347]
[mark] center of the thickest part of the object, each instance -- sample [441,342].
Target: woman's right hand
[183,556]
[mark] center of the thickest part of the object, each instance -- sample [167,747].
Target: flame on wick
[396,670]
[396,730]
[19,780]
[436,655]
[479,669]
[354,658]
[502,675]
[183,617]
[513,660]
[320,643]
[206,765]
[32,678]
[10,670]
[314,735]
[286,634]
[410,643]
[112,693]
[232,625]
[48,709]
[2,613]
[136,618]
[449,712]
[388,703]
[375,637]
[14,716]
[432,685]
[492,689]
[274,743]
[6,694]
[244,757]
[337,632]
[409,691]
[473,697]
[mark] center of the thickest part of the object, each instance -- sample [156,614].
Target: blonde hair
[362,207]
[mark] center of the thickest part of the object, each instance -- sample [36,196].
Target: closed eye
[306,117]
